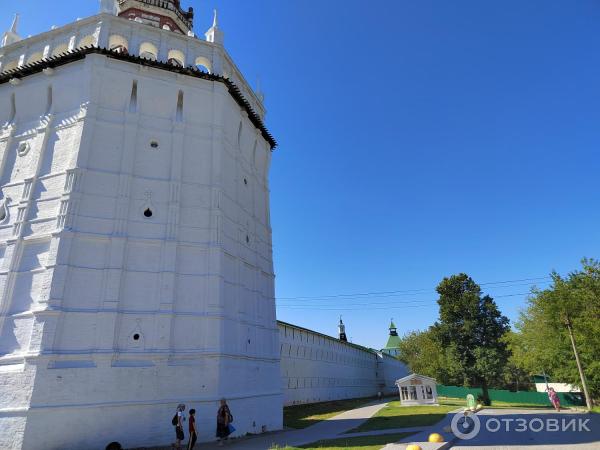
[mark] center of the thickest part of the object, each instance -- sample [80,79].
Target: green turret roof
[394,340]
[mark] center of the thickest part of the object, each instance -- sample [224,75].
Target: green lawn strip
[456,402]
[395,416]
[302,416]
[596,409]
[496,404]
[353,443]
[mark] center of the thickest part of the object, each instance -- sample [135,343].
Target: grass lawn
[496,404]
[356,443]
[596,409]
[302,416]
[395,416]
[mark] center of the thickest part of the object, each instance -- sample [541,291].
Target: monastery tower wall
[136,263]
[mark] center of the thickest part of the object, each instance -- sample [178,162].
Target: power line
[375,306]
[391,297]
[383,294]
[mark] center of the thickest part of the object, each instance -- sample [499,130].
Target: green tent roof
[393,342]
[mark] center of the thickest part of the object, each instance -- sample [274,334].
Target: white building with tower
[135,242]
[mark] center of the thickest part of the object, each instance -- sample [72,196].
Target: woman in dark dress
[224,419]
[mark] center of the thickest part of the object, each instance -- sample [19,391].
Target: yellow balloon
[436,437]
[413,447]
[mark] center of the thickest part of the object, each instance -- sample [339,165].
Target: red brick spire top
[165,14]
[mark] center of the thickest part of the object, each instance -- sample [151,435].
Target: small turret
[342,331]
[109,7]
[393,329]
[214,33]
[11,36]
[393,344]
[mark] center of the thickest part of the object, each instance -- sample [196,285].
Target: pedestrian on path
[224,420]
[177,422]
[553,396]
[192,429]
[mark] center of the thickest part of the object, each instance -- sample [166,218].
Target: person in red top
[193,434]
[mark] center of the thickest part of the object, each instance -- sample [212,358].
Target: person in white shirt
[178,422]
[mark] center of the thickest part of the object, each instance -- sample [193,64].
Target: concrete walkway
[422,436]
[326,429]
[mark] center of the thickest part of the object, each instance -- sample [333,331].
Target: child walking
[192,429]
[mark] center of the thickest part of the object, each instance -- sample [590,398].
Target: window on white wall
[118,44]
[148,51]
[429,392]
[176,58]
[412,390]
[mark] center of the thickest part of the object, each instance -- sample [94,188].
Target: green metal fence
[521,397]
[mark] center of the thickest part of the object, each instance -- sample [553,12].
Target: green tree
[423,354]
[472,329]
[560,320]
[515,376]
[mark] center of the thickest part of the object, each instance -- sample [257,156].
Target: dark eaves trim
[81,53]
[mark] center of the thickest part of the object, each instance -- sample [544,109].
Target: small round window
[23,148]
[136,337]
[154,144]
[148,213]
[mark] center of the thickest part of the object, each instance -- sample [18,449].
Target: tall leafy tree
[560,329]
[472,329]
[423,354]
[515,376]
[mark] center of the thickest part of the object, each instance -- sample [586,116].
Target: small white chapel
[417,390]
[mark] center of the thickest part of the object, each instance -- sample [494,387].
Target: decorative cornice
[81,53]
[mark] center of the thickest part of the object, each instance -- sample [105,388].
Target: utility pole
[545,379]
[588,401]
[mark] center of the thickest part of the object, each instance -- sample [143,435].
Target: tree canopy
[543,336]
[472,327]
[467,345]
[472,344]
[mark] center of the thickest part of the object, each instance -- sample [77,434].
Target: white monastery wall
[110,318]
[389,370]
[317,368]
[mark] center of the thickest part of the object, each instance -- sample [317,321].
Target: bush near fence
[522,397]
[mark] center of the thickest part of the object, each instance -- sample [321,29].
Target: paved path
[422,436]
[326,429]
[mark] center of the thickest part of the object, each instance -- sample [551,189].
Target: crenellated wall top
[112,32]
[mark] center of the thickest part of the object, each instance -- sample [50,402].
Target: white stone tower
[135,244]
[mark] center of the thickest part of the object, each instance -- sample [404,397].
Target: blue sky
[417,140]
